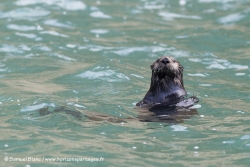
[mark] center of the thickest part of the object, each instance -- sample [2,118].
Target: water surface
[94,58]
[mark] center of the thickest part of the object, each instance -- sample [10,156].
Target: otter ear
[152,66]
[181,67]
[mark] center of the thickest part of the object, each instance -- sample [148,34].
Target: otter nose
[165,60]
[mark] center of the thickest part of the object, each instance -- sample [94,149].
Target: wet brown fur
[166,82]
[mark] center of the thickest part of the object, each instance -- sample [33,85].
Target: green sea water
[94,57]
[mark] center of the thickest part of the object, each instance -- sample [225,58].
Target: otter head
[166,69]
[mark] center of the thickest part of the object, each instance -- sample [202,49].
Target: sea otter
[166,88]
[165,101]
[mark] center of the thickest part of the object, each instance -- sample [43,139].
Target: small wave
[99,31]
[25,47]
[99,14]
[240,74]
[197,75]
[138,76]
[95,48]
[21,27]
[245,137]
[232,18]
[71,45]
[216,65]
[238,67]
[76,105]
[54,33]
[10,48]
[151,7]
[65,4]
[63,57]
[220,1]
[179,128]
[172,16]
[26,35]
[36,107]
[127,51]
[195,60]
[225,64]
[72,5]
[107,75]
[205,84]
[229,142]
[55,23]
[44,48]
[26,13]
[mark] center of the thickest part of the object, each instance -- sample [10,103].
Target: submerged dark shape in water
[166,98]
[65,109]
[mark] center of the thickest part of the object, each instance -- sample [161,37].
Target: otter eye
[174,61]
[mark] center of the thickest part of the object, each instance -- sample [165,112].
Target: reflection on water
[94,57]
[167,115]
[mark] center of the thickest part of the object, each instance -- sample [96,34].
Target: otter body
[172,93]
[166,86]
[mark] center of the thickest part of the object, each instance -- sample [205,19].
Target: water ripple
[179,128]
[55,23]
[197,75]
[232,18]
[221,1]
[245,137]
[127,51]
[99,14]
[63,57]
[26,13]
[65,4]
[171,16]
[26,35]
[9,48]
[36,107]
[54,33]
[106,75]
[21,27]
[99,31]
[224,64]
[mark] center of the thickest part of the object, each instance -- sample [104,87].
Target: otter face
[166,66]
